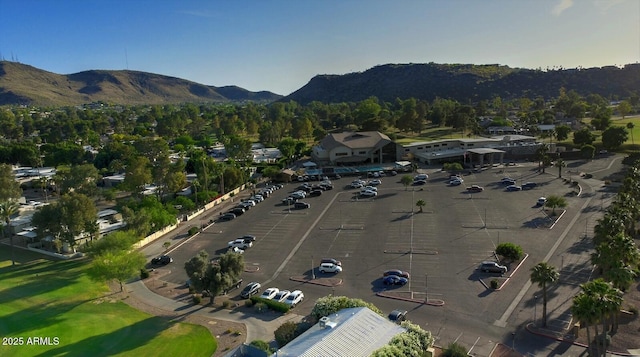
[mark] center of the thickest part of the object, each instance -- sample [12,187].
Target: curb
[315,281]
[432,302]
[513,272]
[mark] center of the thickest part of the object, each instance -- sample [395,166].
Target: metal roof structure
[352,332]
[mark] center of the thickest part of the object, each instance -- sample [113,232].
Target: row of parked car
[291,298]
[245,205]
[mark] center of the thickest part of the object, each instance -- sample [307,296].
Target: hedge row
[272,304]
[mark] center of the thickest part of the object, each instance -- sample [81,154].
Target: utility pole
[426,288]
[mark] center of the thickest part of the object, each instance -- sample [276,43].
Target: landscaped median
[52,308]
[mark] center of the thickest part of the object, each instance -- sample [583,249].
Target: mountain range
[27,85]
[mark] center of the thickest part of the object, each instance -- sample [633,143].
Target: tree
[137,175]
[630,126]
[560,164]
[72,216]
[214,277]
[542,157]
[584,309]
[420,204]
[583,136]
[116,265]
[624,108]
[7,210]
[613,137]
[554,201]
[452,166]
[454,350]
[118,241]
[406,180]
[411,342]
[562,132]
[328,305]
[588,151]
[544,274]
[287,332]
[77,178]
[509,251]
[9,188]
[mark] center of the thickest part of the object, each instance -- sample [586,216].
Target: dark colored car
[394,280]
[251,289]
[398,316]
[396,272]
[228,216]
[512,188]
[162,260]
[419,182]
[475,188]
[315,193]
[529,185]
[238,211]
[289,200]
[248,238]
[326,187]
[301,205]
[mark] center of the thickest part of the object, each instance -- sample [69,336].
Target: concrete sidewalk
[259,326]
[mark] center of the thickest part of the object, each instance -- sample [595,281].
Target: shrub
[286,333]
[193,230]
[192,290]
[197,299]
[273,305]
[144,273]
[261,307]
[454,350]
[510,251]
[634,310]
[262,345]
[248,303]
[328,305]
[494,284]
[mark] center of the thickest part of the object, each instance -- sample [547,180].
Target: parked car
[269,293]
[475,188]
[393,173]
[301,205]
[331,260]
[508,181]
[315,193]
[289,200]
[236,250]
[398,316]
[368,193]
[456,182]
[541,201]
[329,268]
[248,238]
[419,182]
[299,195]
[240,243]
[529,185]
[356,185]
[394,280]
[514,188]
[397,272]
[375,182]
[162,260]
[294,298]
[238,211]
[245,205]
[228,216]
[257,198]
[251,289]
[492,267]
[421,177]
[282,295]
[326,186]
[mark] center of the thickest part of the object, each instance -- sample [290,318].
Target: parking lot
[440,247]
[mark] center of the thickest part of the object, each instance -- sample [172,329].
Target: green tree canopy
[509,251]
[583,136]
[614,136]
[73,215]
[9,188]
[116,265]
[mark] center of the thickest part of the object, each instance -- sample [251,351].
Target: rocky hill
[464,82]
[24,84]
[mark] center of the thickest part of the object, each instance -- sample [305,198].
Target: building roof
[357,140]
[350,332]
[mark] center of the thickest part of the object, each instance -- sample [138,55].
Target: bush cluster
[193,230]
[273,305]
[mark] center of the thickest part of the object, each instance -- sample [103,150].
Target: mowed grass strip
[55,299]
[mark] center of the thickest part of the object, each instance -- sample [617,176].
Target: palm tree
[554,201]
[630,126]
[8,209]
[607,300]
[544,274]
[584,310]
[560,164]
[541,156]
[420,204]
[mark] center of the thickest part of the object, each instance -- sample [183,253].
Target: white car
[456,182]
[541,201]
[330,268]
[368,193]
[236,250]
[270,293]
[250,202]
[371,188]
[356,185]
[257,198]
[282,295]
[294,298]
[375,182]
[240,243]
[299,195]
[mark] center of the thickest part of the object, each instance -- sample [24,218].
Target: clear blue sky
[279,45]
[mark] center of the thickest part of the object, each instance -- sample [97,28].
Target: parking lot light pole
[426,289]
[535,307]
[313,272]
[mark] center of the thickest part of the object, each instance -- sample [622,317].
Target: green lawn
[43,298]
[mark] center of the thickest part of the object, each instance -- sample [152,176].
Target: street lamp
[313,272]
[535,311]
